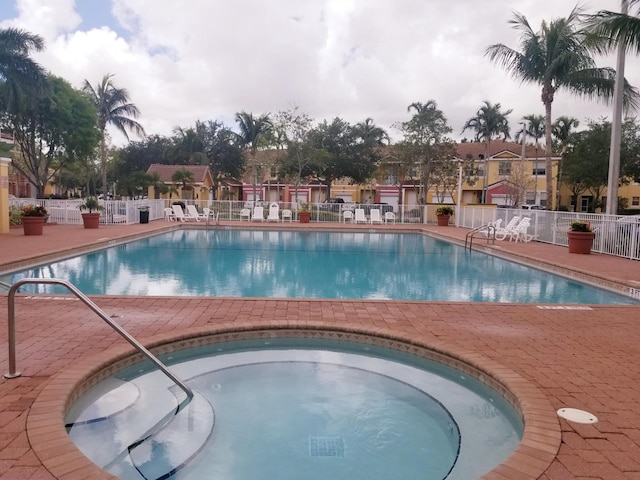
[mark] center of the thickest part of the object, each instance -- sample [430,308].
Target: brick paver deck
[553,358]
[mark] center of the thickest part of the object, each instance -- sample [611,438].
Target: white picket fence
[617,235]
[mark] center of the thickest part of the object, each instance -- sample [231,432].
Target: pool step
[173,446]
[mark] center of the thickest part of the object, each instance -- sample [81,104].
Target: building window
[635,201]
[530,198]
[543,199]
[539,169]
[504,168]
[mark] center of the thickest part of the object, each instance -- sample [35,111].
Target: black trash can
[144,214]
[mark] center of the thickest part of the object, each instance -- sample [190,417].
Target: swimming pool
[308,264]
[297,408]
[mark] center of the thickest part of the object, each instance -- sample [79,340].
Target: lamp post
[522,192]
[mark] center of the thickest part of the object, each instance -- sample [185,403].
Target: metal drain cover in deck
[326,446]
[578,416]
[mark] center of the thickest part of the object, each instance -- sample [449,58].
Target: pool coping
[53,446]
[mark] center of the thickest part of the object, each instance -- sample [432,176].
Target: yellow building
[201,188]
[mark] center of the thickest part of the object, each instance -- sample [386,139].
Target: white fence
[617,235]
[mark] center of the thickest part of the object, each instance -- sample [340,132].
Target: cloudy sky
[208,59]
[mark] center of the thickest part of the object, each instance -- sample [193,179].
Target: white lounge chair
[501,233]
[347,215]
[286,213]
[179,213]
[245,213]
[389,217]
[360,216]
[374,216]
[520,234]
[192,212]
[258,214]
[169,216]
[274,212]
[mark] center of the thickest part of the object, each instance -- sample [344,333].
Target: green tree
[613,28]
[114,108]
[490,122]
[294,129]
[184,177]
[190,145]
[222,150]
[254,133]
[422,135]
[20,77]
[562,130]
[557,57]
[51,131]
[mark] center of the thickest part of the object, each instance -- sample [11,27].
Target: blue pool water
[288,264]
[296,409]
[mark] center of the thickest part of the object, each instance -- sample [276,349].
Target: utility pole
[616,127]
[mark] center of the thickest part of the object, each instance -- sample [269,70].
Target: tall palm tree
[614,28]
[20,76]
[557,57]
[562,130]
[490,122]
[371,134]
[114,109]
[253,132]
[533,128]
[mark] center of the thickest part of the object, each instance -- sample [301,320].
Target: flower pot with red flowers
[444,214]
[33,218]
[91,219]
[580,236]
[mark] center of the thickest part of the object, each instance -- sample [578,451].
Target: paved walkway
[553,358]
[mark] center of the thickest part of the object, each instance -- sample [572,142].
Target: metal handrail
[491,234]
[82,297]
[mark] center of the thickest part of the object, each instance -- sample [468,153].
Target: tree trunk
[548,170]
[103,162]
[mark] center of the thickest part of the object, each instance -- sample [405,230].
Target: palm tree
[556,57]
[20,76]
[371,134]
[562,130]
[114,109]
[489,123]
[534,128]
[183,176]
[613,28]
[253,132]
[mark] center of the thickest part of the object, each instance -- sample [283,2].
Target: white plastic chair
[274,210]
[374,216]
[347,215]
[360,216]
[258,214]
[286,213]
[245,213]
[169,216]
[520,234]
[389,217]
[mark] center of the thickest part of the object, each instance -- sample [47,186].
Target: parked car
[336,205]
[532,207]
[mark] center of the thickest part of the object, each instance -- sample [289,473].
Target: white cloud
[208,59]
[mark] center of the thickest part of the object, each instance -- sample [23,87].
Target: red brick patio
[551,358]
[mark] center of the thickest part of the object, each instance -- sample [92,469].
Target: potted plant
[580,237]
[304,214]
[91,219]
[33,218]
[443,213]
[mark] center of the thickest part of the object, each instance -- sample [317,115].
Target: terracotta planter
[33,225]
[304,217]
[91,220]
[580,242]
[443,220]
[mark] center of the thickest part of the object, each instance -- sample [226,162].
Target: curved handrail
[84,299]
[491,234]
